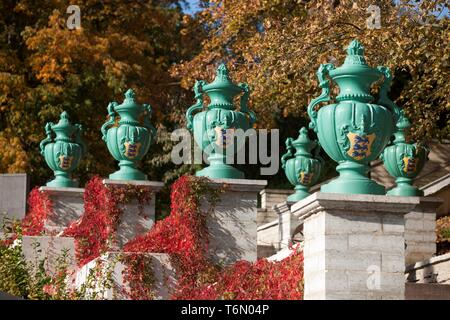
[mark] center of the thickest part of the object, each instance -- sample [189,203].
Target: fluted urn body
[216,127]
[62,150]
[354,130]
[301,167]
[128,134]
[404,161]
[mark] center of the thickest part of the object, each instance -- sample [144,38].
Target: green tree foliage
[277,46]
[46,68]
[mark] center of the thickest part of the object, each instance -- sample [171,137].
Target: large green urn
[301,167]
[404,161]
[128,134]
[214,128]
[62,150]
[354,130]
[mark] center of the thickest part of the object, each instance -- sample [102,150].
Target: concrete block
[414,215]
[429,225]
[345,223]
[371,242]
[108,281]
[232,224]
[13,196]
[135,219]
[393,224]
[51,249]
[392,262]
[414,236]
[413,225]
[68,206]
[351,260]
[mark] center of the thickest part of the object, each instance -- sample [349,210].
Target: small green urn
[301,168]
[354,130]
[128,134]
[404,161]
[62,150]
[214,128]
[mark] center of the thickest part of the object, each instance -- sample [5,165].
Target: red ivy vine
[94,232]
[40,208]
[183,235]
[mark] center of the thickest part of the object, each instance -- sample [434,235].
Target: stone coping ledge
[277,191]
[267,225]
[320,201]
[282,207]
[239,184]
[428,262]
[154,185]
[436,185]
[62,190]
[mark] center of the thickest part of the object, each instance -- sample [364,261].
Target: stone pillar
[269,198]
[68,206]
[232,225]
[135,220]
[420,230]
[354,245]
[286,224]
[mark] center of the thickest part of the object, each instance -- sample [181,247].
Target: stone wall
[104,279]
[433,270]
[270,198]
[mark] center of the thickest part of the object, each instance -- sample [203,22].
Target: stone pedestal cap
[240,184]
[152,185]
[62,191]
[353,202]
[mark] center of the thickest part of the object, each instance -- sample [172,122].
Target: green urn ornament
[128,136]
[62,150]
[301,168]
[404,161]
[354,130]
[214,128]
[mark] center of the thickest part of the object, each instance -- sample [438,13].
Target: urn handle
[147,122]
[78,139]
[111,119]
[48,139]
[290,151]
[324,83]
[198,90]
[244,103]
[384,100]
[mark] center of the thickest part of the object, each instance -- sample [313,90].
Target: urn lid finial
[130,100]
[64,124]
[355,48]
[130,94]
[222,81]
[222,73]
[303,144]
[355,55]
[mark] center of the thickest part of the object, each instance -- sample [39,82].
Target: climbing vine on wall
[183,235]
[95,231]
[40,208]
